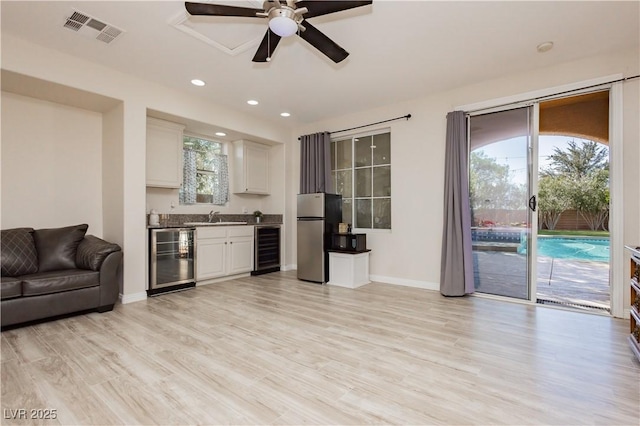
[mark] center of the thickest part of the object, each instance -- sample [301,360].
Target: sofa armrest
[110,280]
[93,251]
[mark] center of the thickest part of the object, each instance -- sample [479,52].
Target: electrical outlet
[245,210]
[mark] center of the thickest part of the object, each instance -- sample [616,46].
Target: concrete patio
[577,284]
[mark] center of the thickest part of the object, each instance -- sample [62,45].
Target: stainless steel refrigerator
[318,218]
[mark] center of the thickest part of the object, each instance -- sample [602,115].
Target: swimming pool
[593,249]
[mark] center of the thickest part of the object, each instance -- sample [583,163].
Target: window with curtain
[205,177]
[361,169]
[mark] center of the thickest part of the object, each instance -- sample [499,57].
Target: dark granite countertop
[179,220]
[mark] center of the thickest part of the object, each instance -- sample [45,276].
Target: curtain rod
[625,79]
[408,116]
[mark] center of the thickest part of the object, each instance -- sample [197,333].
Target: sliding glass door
[502,198]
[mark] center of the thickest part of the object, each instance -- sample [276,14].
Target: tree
[487,180]
[591,199]
[580,174]
[578,161]
[491,185]
[554,197]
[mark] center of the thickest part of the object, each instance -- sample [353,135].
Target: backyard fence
[570,220]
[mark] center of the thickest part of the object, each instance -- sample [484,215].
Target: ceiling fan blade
[209,9]
[267,46]
[323,43]
[319,8]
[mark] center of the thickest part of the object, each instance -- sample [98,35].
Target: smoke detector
[89,26]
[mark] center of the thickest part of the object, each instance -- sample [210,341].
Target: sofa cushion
[92,251]
[10,287]
[57,247]
[18,252]
[58,281]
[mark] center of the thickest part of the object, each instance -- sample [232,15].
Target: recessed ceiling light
[285,114]
[197,82]
[545,47]
[221,134]
[252,102]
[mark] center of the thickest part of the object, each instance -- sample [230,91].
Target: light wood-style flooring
[275,350]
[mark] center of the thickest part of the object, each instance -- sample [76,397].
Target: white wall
[51,165]
[631,136]
[410,254]
[113,174]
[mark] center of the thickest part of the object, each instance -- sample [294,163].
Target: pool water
[592,249]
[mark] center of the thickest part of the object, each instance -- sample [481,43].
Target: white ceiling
[399,50]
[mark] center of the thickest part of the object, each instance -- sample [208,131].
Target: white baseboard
[404,282]
[135,297]
[387,280]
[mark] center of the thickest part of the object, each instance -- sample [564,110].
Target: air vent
[91,27]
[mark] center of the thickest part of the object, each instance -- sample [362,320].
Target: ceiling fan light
[283,26]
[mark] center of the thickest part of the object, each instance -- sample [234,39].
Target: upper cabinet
[251,168]
[164,153]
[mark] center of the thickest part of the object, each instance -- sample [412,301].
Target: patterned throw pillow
[18,252]
[57,247]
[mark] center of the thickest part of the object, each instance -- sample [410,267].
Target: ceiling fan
[286,18]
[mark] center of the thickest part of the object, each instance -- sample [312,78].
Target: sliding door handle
[532,203]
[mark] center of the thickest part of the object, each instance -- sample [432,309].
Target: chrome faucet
[212,214]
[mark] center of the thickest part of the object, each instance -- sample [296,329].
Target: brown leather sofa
[51,272]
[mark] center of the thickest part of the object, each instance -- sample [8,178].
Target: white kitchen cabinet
[164,153]
[251,168]
[211,258]
[240,255]
[223,250]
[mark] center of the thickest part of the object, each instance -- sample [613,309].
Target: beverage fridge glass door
[172,257]
[311,256]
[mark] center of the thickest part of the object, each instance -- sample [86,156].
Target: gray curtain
[315,163]
[456,269]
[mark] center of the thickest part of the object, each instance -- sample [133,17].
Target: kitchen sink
[213,223]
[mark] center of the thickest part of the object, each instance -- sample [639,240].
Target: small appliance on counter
[154,218]
[349,242]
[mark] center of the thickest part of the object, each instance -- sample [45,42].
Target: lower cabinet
[223,251]
[240,254]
